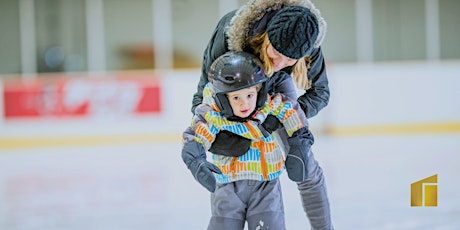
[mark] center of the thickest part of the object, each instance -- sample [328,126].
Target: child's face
[243,101]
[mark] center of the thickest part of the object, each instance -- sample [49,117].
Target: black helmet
[234,71]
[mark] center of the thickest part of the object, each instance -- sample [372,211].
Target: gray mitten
[297,158]
[194,157]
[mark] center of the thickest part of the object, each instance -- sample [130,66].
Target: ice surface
[147,186]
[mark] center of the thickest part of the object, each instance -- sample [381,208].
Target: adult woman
[286,35]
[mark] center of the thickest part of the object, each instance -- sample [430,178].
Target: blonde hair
[259,45]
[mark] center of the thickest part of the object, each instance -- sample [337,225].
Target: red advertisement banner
[90,97]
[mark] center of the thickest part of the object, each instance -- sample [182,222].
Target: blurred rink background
[95,94]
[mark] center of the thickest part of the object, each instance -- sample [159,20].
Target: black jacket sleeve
[281,82]
[317,97]
[216,47]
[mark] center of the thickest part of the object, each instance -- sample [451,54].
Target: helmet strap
[223,104]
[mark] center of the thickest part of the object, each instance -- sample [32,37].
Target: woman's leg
[314,197]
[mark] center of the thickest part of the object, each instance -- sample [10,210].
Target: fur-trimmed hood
[238,29]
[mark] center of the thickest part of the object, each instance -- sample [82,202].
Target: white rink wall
[394,93]
[362,95]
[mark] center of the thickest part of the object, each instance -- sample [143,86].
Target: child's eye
[235,98]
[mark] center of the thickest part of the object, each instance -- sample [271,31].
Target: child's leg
[314,197]
[265,208]
[228,208]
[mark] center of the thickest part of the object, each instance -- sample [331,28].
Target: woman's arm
[281,82]
[317,97]
[216,47]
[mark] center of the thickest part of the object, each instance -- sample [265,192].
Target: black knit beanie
[293,31]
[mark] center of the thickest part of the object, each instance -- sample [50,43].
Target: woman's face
[243,102]
[278,60]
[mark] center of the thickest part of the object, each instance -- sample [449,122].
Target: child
[246,166]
